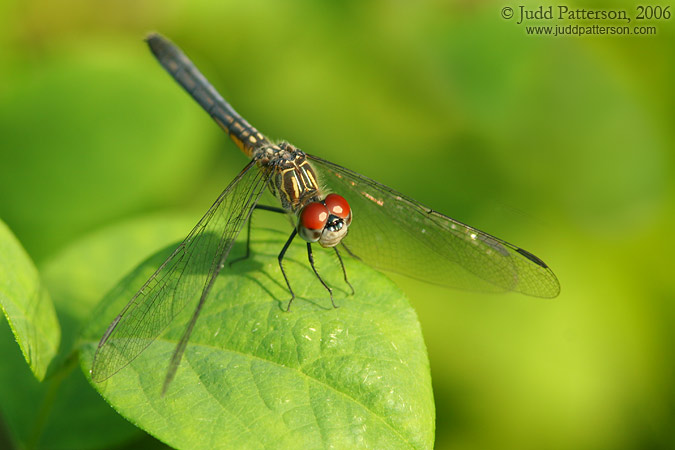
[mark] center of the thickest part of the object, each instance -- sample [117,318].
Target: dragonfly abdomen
[245,136]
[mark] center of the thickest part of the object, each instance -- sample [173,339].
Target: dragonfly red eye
[314,216]
[337,205]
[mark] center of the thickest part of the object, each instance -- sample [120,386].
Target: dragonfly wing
[393,232]
[187,275]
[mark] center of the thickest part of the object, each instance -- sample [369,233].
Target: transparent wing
[393,232]
[187,275]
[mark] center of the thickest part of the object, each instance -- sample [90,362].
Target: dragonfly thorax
[291,176]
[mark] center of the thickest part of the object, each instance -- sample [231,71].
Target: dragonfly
[331,206]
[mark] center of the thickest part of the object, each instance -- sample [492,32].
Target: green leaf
[256,376]
[27,305]
[83,272]
[64,412]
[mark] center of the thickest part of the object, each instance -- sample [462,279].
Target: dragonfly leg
[344,272]
[248,230]
[281,266]
[349,251]
[311,263]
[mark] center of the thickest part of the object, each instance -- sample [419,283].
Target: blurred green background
[563,146]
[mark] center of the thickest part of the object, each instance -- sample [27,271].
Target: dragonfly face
[325,222]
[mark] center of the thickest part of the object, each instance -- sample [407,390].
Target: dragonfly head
[325,222]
